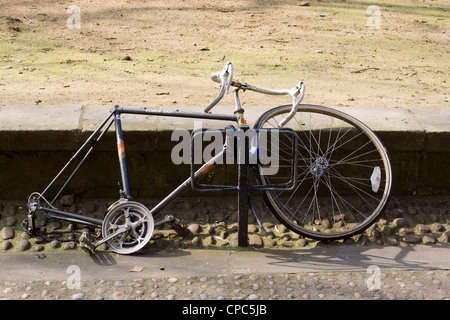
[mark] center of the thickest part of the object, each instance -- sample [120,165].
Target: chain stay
[47,236]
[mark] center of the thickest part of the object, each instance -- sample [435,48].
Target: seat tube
[121,153]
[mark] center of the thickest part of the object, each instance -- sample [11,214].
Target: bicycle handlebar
[225,78]
[215,76]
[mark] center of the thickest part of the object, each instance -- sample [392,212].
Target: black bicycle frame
[244,198]
[119,134]
[89,145]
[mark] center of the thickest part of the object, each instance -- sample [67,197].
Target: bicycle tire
[341,161]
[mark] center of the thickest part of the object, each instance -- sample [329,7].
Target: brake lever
[226,76]
[298,90]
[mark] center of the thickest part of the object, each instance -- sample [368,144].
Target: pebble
[172,280]
[12,209]
[400,222]
[8,233]
[69,245]
[428,238]
[118,295]
[442,291]
[253,277]
[256,241]
[411,238]
[423,228]
[55,244]
[194,228]
[391,296]
[10,221]
[6,245]
[78,296]
[24,245]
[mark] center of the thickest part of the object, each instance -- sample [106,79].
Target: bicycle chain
[45,235]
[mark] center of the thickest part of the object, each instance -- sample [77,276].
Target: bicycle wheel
[343,179]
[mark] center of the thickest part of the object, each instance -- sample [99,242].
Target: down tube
[186,185]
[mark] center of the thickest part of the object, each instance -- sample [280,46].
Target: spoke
[354,187]
[345,202]
[337,156]
[363,154]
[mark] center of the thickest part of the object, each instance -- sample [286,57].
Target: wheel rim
[344,175]
[138,222]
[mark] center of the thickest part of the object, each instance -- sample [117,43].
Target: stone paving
[391,285]
[408,221]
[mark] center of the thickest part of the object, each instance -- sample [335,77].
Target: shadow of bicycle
[353,258]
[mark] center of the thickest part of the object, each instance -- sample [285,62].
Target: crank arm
[87,245]
[112,235]
[171,220]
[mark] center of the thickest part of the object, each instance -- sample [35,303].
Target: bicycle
[332,181]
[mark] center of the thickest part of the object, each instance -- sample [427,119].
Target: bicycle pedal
[177,224]
[86,244]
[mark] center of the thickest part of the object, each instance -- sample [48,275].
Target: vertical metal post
[243,205]
[121,154]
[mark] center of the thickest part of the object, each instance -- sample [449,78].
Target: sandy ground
[160,53]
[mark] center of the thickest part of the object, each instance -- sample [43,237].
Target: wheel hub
[319,166]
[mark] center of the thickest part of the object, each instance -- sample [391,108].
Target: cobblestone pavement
[409,222]
[390,285]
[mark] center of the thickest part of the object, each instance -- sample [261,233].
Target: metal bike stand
[243,186]
[243,189]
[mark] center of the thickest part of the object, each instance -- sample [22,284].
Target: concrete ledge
[36,141]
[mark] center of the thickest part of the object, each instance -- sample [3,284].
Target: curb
[227,261]
[36,141]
